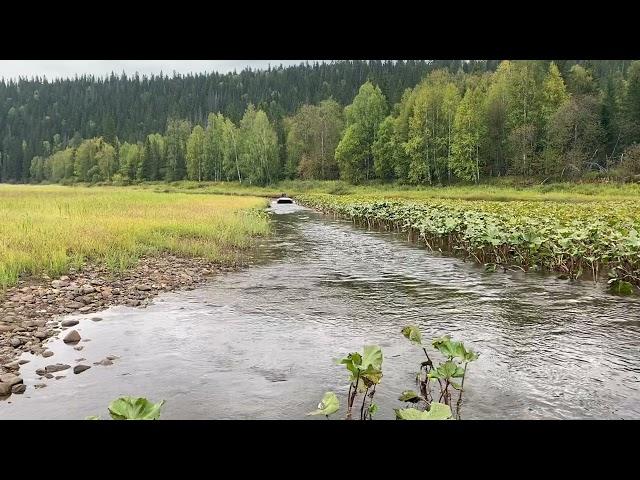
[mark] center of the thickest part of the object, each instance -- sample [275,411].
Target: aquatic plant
[446,374]
[328,405]
[133,408]
[365,374]
[573,239]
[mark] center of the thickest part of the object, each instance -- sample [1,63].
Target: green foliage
[328,405]
[364,116]
[409,396]
[454,122]
[132,408]
[571,238]
[437,411]
[313,134]
[412,333]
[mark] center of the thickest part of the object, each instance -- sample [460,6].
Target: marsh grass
[48,229]
[505,191]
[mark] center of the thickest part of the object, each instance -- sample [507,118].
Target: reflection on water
[260,343]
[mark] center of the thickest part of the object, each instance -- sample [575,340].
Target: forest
[414,122]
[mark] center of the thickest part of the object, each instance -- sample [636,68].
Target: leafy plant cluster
[436,382]
[571,239]
[133,408]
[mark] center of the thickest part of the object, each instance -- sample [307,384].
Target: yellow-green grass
[48,229]
[501,192]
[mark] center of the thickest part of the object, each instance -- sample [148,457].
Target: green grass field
[48,229]
[572,228]
[500,192]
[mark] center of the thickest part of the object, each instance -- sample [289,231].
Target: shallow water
[259,343]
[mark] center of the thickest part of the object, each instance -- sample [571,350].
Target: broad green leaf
[352,362]
[373,408]
[372,357]
[132,408]
[412,333]
[409,396]
[437,411]
[470,356]
[328,405]
[453,349]
[447,371]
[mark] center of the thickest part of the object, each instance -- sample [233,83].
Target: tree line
[39,116]
[552,119]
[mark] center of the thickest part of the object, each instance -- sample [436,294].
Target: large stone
[143,288]
[47,353]
[72,337]
[85,289]
[80,368]
[10,378]
[60,283]
[15,341]
[6,328]
[19,388]
[5,389]
[69,323]
[56,368]
[40,334]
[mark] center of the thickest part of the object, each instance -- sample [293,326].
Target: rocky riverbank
[30,312]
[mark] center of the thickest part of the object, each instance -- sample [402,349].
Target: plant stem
[364,400]
[459,404]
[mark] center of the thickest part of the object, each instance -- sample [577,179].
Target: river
[260,343]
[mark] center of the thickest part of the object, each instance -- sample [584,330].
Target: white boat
[284,199]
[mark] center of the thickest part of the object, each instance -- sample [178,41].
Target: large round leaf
[412,333]
[437,411]
[132,408]
[328,405]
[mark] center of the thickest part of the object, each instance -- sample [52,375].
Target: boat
[284,199]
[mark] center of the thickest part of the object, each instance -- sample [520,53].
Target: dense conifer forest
[417,121]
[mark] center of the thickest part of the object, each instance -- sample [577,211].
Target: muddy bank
[29,311]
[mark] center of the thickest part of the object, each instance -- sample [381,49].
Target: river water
[260,343]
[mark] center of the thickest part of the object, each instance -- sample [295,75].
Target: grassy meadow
[48,229]
[569,228]
[504,191]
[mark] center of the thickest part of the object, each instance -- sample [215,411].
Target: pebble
[105,362]
[28,308]
[72,337]
[56,368]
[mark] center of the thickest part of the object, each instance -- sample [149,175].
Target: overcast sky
[69,68]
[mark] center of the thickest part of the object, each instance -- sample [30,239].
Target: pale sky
[69,68]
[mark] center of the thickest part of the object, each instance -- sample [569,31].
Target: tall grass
[501,192]
[48,229]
